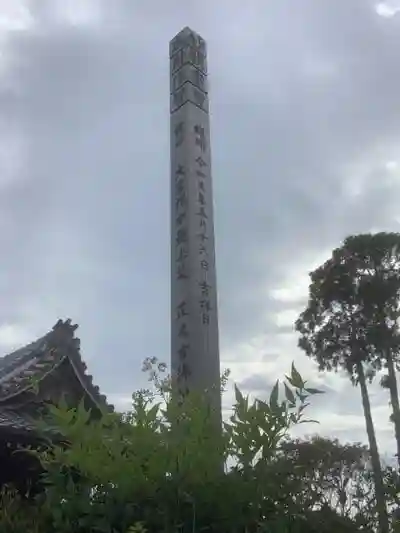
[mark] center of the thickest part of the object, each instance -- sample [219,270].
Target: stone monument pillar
[195,363]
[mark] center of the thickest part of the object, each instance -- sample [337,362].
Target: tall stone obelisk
[195,363]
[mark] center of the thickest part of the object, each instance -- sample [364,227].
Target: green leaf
[289,379]
[153,413]
[314,391]
[263,407]
[302,407]
[309,421]
[238,395]
[296,379]
[82,413]
[273,399]
[289,394]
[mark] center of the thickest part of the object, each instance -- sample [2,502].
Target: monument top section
[185,38]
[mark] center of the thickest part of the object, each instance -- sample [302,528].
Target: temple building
[40,373]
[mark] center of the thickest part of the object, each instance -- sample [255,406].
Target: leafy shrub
[164,467]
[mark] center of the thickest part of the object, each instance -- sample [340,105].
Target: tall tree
[340,330]
[378,256]
[331,474]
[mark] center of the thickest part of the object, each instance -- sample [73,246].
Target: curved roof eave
[32,363]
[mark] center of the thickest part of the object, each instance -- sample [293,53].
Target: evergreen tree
[344,326]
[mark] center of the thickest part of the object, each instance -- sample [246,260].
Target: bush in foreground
[163,467]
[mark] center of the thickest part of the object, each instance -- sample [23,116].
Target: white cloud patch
[79,13]
[12,336]
[388,9]
[14,16]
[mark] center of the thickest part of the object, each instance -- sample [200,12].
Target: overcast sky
[305,117]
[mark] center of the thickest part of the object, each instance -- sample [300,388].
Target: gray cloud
[304,120]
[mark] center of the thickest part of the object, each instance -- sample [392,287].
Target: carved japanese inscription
[183,347]
[194,333]
[188,67]
[201,144]
[188,93]
[181,237]
[200,137]
[191,56]
[181,309]
[189,73]
[201,175]
[179,133]
[187,37]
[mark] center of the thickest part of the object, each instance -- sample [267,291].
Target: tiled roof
[19,377]
[13,420]
[21,423]
[30,364]
[21,356]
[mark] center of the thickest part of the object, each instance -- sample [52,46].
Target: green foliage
[353,304]
[351,322]
[165,466]
[332,474]
[17,515]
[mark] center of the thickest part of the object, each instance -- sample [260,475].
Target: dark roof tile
[22,356]
[39,358]
[12,420]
